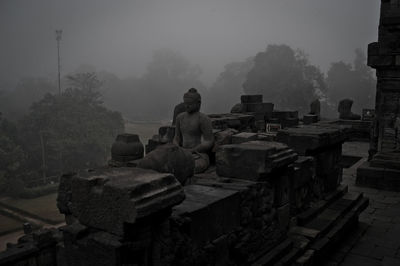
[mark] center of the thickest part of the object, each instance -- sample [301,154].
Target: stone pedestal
[324,144]
[122,215]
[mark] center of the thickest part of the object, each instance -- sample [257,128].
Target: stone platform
[378,177]
[376,241]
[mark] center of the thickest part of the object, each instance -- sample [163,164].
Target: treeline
[284,76]
[60,133]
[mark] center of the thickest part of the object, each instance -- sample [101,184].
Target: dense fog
[133,60]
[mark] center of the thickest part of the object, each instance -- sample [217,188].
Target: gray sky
[120,35]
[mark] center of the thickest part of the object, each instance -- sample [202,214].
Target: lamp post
[58,38]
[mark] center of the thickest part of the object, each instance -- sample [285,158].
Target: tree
[12,157]
[168,76]
[77,131]
[227,89]
[352,81]
[284,77]
[15,103]
[87,84]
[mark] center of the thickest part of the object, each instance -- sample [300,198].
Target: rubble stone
[252,160]
[108,199]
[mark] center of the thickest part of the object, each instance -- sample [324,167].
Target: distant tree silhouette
[15,103]
[285,77]
[168,76]
[75,128]
[352,81]
[228,87]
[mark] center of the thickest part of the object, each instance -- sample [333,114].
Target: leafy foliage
[15,103]
[285,77]
[352,81]
[227,89]
[12,157]
[73,129]
[168,76]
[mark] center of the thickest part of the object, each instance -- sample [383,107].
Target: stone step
[321,205]
[309,245]
[352,204]
[273,256]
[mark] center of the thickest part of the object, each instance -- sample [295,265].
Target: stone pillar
[383,170]
[384,56]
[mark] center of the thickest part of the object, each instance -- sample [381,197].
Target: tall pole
[43,156]
[58,38]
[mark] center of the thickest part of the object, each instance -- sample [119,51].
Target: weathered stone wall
[322,142]
[36,249]
[384,56]
[238,213]
[224,221]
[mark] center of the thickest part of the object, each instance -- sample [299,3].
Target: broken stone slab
[223,137]
[109,199]
[306,139]
[252,160]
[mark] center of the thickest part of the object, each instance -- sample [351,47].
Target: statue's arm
[208,136]
[178,134]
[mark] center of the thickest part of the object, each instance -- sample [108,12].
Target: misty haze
[180,87]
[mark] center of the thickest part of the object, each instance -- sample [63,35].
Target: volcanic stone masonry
[383,170]
[260,204]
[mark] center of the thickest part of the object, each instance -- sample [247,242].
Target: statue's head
[192,101]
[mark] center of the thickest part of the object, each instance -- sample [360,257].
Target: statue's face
[191,105]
